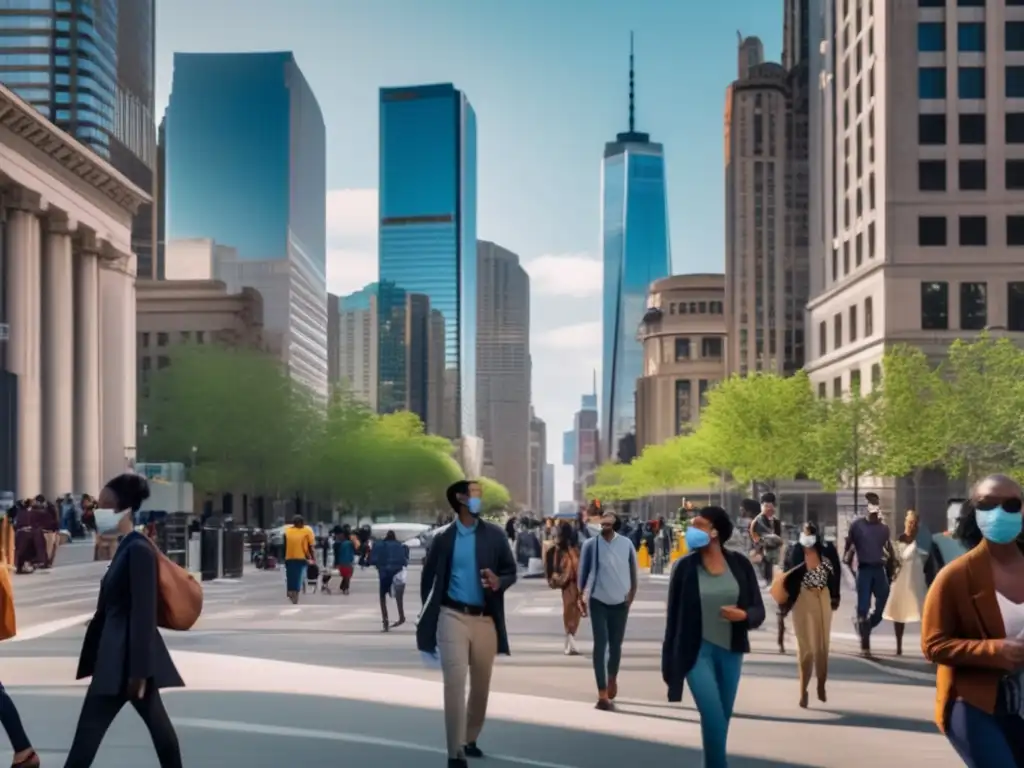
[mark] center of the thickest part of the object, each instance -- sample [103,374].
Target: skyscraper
[503,367]
[89,67]
[245,158]
[427,247]
[357,338]
[635,244]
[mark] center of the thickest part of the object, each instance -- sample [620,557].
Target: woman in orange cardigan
[973,629]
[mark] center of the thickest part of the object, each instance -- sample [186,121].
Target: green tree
[676,463]
[613,482]
[841,442]
[984,407]
[232,414]
[754,426]
[910,416]
[494,497]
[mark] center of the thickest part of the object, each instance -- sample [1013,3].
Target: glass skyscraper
[245,153]
[635,245]
[89,66]
[427,287]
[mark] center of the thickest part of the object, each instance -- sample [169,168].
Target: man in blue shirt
[468,568]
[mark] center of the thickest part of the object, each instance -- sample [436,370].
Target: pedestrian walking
[24,755]
[811,588]
[714,601]
[390,557]
[973,629]
[299,543]
[907,592]
[608,583]
[123,651]
[869,541]
[562,571]
[344,557]
[766,532]
[468,568]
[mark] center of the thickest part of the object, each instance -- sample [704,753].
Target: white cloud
[578,275]
[351,239]
[584,337]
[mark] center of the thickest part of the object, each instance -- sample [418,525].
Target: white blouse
[1013,616]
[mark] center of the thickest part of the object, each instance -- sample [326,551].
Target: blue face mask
[474,505]
[999,526]
[696,538]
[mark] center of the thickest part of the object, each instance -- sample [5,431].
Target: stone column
[23,346]
[87,367]
[58,358]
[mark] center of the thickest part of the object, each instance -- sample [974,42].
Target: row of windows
[970,82]
[684,408]
[852,329]
[971,129]
[696,308]
[860,243]
[163,339]
[972,231]
[973,306]
[855,382]
[710,348]
[970,36]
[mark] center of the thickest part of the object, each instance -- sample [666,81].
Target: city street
[328,681]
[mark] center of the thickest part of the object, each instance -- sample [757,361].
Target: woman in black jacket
[713,602]
[123,651]
[812,595]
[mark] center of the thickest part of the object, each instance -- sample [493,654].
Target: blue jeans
[981,740]
[714,681]
[871,582]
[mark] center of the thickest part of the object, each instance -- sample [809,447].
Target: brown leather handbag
[179,595]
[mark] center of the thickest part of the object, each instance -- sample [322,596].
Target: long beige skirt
[812,623]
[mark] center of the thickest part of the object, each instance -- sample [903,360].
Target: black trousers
[98,712]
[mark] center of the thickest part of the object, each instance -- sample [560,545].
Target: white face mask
[807,540]
[107,520]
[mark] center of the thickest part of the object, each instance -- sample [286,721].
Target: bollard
[680,548]
[643,557]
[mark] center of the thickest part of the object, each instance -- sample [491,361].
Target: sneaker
[457,762]
[605,705]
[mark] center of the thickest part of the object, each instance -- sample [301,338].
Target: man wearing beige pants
[462,623]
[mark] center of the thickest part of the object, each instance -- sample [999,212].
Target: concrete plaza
[273,684]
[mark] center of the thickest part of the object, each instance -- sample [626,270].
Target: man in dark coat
[462,623]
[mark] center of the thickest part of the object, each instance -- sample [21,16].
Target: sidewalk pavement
[268,713]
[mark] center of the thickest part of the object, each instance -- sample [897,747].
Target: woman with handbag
[809,590]
[123,651]
[973,629]
[562,570]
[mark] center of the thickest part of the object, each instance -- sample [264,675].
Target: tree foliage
[242,424]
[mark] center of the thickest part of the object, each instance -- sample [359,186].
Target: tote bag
[8,627]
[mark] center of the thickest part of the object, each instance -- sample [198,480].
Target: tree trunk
[918,475]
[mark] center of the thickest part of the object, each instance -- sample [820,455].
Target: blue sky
[548,81]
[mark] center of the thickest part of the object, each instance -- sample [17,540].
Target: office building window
[931,83]
[931,36]
[970,82]
[855,382]
[822,390]
[971,3]
[935,306]
[1015,307]
[871,240]
[682,405]
[972,175]
[837,331]
[971,128]
[970,36]
[973,230]
[973,306]
[853,323]
[931,175]
[1015,127]
[1015,35]
[931,231]
[931,129]
[837,387]
[876,375]
[869,316]
[1015,230]
[162,339]
[711,347]
[1015,174]
[931,3]
[682,349]
[1015,82]
[822,338]
[702,391]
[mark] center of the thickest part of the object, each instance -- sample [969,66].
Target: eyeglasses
[1009,505]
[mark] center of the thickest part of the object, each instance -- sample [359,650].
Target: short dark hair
[130,490]
[966,528]
[750,506]
[720,521]
[389,536]
[298,522]
[872,498]
[456,488]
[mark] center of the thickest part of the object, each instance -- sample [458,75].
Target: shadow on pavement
[270,730]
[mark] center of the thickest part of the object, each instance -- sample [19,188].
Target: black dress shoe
[457,762]
[472,750]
